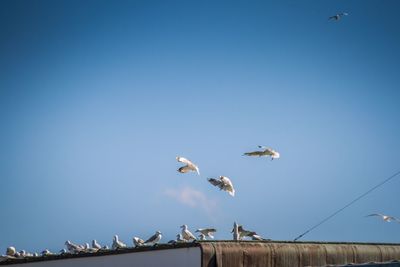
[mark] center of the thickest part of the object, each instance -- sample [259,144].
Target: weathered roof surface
[264,253]
[293,254]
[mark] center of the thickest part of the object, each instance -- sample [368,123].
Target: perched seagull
[95,244]
[117,244]
[224,183]
[186,234]
[235,231]
[386,218]
[338,16]
[88,249]
[241,232]
[73,248]
[63,251]
[206,232]
[154,239]
[190,166]
[263,153]
[202,237]
[138,242]
[46,252]
[11,251]
[179,239]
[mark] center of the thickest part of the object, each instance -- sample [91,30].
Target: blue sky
[98,98]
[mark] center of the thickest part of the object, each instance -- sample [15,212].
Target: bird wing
[151,239]
[185,169]
[227,185]
[215,182]
[253,153]
[190,166]
[189,235]
[375,214]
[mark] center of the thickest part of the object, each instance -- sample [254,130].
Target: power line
[347,205]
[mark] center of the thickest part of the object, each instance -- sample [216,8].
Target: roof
[263,253]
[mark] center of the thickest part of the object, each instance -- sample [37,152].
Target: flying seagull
[241,232]
[95,244]
[137,242]
[117,244]
[190,166]
[265,152]
[338,16]
[206,232]
[386,218]
[224,183]
[154,239]
[186,234]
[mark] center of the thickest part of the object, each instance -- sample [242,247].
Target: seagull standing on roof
[206,232]
[224,183]
[338,16]
[95,244]
[190,166]
[73,248]
[186,234]
[117,244]
[386,218]
[263,153]
[137,242]
[154,239]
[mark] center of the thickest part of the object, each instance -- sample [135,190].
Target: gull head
[184,227]
[158,232]
[115,238]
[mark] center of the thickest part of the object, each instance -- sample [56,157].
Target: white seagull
[190,166]
[235,232]
[386,218]
[11,251]
[73,248]
[206,232]
[117,244]
[338,16]
[263,153]
[137,242]
[154,239]
[186,234]
[95,244]
[224,183]
[46,252]
[202,237]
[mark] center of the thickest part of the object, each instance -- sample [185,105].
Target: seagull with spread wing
[223,183]
[338,16]
[206,232]
[386,218]
[265,152]
[190,166]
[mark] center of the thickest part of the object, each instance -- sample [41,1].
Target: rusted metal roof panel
[290,254]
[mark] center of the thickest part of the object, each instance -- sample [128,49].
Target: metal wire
[347,205]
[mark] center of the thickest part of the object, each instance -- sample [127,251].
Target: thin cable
[349,204]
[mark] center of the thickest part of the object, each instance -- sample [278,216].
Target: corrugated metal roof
[293,254]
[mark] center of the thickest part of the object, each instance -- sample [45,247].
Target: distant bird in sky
[95,244]
[186,234]
[386,218]
[206,232]
[154,239]
[338,16]
[265,152]
[137,242]
[223,183]
[117,244]
[190,166]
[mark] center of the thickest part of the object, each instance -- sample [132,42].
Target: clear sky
[97,99]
